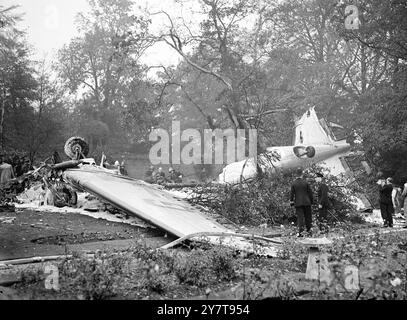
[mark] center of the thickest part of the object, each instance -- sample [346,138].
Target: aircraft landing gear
[76,148]
[301,151]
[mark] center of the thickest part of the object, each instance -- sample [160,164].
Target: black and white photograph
[203,158]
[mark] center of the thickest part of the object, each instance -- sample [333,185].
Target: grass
[144,273]
[137,273]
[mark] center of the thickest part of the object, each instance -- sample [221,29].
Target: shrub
[28,277]
[93,278]
[266,198]
[223,263]
[154,280]
[194,268]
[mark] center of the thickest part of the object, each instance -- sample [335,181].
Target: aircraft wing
[152,204]
[309,131]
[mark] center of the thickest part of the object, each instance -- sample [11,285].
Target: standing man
[404,203]
[160,176]
[301,198]
[322,200]
[26,166]
[117,166]
[386,202]
[396,196]
[7,172]
[123,170]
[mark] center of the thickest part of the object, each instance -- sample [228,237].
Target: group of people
[302,198]
[392,200]
[119,166]
[158,176]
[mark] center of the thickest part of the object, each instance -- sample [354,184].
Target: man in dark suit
[322,200]
[301,198]
[386,202]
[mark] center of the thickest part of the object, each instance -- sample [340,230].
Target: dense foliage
[267,199]
[31,111]
[145,273]
[243,64]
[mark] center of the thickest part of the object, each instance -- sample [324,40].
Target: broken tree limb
[33,260]
[179,185]
[218,234]
[244,165]
[8,279]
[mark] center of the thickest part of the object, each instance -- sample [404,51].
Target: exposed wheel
[74,198]
[302,152]
[70,196]
[76,147]
[310,152]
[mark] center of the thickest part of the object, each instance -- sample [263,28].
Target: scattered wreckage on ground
[61,182]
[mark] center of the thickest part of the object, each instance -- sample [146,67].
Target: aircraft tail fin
[309,131]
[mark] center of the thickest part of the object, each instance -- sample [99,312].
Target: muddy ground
[27,233]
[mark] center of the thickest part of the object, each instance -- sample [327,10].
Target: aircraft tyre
[75,147]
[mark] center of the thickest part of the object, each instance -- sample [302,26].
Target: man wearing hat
[301,198]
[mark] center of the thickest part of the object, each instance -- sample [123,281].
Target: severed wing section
[146,201]
[156,206]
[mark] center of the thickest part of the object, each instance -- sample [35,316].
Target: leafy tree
[103,64]
[225,50]
[17,84]
[31,108]
[381,114]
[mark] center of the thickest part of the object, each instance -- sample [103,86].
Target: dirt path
[29,233]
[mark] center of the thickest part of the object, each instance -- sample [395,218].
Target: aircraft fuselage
[285,158]
[303,156]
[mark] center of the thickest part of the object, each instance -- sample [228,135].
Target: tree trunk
[363,69]
[3,109]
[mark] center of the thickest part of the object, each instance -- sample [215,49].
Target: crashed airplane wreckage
[152,204]
[314,142]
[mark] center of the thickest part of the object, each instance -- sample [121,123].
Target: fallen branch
[218,234]
[33,260]
[179,185]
